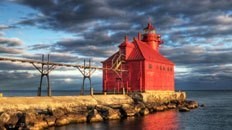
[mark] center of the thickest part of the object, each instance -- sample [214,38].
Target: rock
[183,109]
[150,107]
[36,121]
[202,105]
[159,108]
[171,106]
[144,111]
[50,120]
[115,106]
[137,97]
[108,113]
[78,110]
[94,116]
[47,111]
[13,119]
[76,118]
[58,112]
[21,123]
[2,127]
[63,120]
[4,117]
[139,107]
[114,114]
[31,117]
[191,104]
[38,125]
[127,110]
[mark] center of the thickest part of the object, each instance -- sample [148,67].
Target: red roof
[135,54]
[142,51]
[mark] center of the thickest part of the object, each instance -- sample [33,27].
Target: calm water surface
[216,115]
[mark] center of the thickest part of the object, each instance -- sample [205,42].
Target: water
[216,115]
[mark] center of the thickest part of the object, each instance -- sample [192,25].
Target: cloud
[10,50]
[2,33]
[97,46]
[4,27]
[91,18]
[10,42]
[11,45]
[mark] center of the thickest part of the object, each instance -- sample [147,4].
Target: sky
[197,37]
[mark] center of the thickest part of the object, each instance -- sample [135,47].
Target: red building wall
[159,76]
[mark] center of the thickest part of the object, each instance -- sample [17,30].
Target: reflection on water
[160,120]
[157,121]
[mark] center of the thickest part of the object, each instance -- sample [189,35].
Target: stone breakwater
[30,113]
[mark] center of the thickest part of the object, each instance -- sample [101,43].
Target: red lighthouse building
[142,67]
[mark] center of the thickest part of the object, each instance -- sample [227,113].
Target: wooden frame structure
[46,67]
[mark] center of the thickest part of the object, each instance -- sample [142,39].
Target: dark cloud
[10,45]
[7,50]
[92,18]
[39,47]
[197,55]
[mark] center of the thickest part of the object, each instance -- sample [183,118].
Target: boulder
[58,112]
[62,120]
[50,120]
[191,104]
[114,114]
[171,106]
[76,118]
[93,115]
[128,110]
[108,113]
[13,119]
[159,108]
[38,125]
[202,105]
[183,109]
[137,97]
[4,117]
[140,106]
[2,126]
[150,107]
[31,117]
[144,111]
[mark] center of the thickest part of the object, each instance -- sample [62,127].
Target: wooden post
[123,91]
[91,91]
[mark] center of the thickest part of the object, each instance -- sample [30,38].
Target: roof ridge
[160,58]
[139,48]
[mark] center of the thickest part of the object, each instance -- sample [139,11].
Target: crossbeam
[55,64]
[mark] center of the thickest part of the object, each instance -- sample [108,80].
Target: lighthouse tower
[150,36]
[146,69]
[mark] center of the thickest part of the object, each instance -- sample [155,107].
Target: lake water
[216,115]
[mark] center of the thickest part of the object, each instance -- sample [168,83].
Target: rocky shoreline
[43,117]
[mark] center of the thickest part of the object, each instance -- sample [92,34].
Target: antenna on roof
[149,19]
